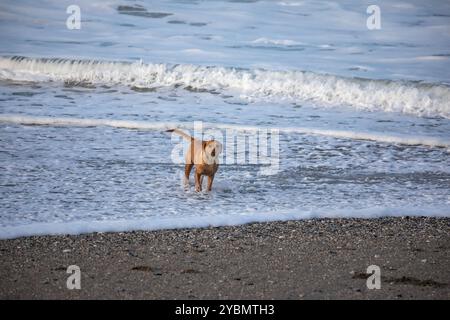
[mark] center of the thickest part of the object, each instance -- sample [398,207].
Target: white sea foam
[282,42]
[158,223]
[290,4]
[408,97]
[144,125]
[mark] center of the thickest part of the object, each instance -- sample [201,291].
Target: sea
[326,109]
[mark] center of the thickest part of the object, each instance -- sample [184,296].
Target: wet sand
[309,259]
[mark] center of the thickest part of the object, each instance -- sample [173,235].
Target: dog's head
[211,151]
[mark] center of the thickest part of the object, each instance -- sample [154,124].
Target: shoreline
[303,259]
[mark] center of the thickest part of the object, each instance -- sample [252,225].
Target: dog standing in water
[204,155]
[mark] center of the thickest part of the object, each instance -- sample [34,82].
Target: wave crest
[407,97]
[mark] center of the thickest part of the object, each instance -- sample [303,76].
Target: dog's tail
[181,133]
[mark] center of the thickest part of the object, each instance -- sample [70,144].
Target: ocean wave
[145,125]
[414,98]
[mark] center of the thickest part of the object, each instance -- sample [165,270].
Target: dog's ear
[219,146]
[204,144]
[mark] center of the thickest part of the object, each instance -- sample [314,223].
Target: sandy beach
[308,259]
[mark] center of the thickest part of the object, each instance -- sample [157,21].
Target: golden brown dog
[204,155]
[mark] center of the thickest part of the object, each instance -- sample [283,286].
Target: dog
[204,155]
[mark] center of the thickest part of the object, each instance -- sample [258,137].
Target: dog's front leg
[187,173]
[198,184]
[210,182]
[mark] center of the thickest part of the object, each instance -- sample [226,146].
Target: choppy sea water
[363,116]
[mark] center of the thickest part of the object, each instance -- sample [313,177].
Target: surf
[326,90]
[162,126]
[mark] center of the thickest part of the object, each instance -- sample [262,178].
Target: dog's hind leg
[187,173]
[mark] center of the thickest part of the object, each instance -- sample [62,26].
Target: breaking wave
[414,98]
[145,125]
